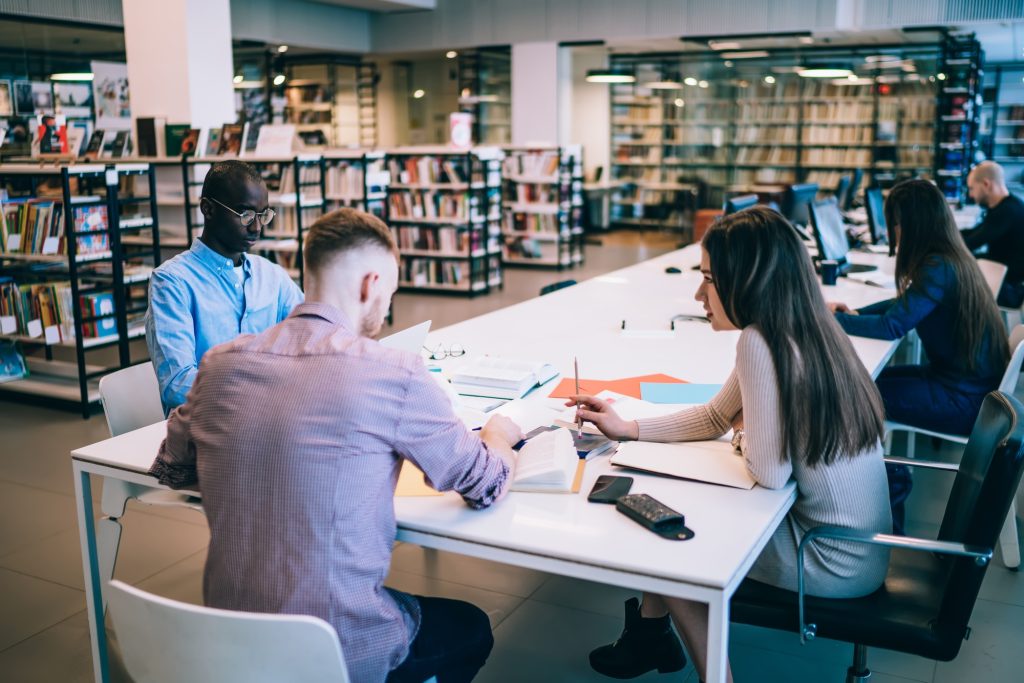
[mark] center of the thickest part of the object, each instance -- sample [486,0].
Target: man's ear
[207,208]
[367,285]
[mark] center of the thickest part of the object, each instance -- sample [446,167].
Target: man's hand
[501,431]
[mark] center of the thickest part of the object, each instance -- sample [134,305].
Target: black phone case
[613,488]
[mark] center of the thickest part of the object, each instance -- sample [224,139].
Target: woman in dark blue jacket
[943,295]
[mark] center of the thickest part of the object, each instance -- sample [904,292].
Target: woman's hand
[602,416]
[837,307]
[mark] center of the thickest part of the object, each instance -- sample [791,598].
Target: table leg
[91,572]
[718,639]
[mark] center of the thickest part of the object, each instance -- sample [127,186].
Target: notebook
[410,339]
[501,377]
[713,462]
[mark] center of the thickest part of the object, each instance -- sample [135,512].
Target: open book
[549,463]
[501,377]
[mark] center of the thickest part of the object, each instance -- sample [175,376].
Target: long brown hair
[763,274]
[927,232]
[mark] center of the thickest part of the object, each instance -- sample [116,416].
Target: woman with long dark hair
[942,294]
[792,362]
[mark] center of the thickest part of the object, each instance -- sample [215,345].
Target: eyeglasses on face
[439,352]
[248,216]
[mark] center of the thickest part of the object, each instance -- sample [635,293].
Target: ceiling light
[609,76]
[744,84]
[806,40]
[853,80]
[690,80]
[749,54]
[679,102]
[664,85]
[278,79]
[724,45]
[728,63]
[451,54]
[769,80]
[237,79]
[72,76]
[940,76]
[872,59]
[282,49]
[824,72]
[418,93]
[702,84]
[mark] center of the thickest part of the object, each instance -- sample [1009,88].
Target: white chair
[1008,539]
[165,641]
[131,400]
[994,274]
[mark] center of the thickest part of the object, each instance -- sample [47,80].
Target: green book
[174,133]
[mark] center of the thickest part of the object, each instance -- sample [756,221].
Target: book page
[547,461]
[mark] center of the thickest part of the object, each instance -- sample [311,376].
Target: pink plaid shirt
[295,437]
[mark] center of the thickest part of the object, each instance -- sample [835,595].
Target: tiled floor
[544,625]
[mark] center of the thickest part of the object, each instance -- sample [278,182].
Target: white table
[561,534]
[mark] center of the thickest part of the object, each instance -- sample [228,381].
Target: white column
[589,113]
[179,60]
[535,93]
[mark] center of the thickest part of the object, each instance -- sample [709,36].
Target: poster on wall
[42,97]
[23,103]
[74,100]
[110,95]
[6,99]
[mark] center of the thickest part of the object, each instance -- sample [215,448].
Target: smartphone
[608,489]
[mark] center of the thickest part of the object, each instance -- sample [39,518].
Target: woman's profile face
[707,294]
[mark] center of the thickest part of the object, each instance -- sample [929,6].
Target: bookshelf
[357,179]
[296,193]
[485,91]
[444,209]
[333,102]
[1001,131]
[543,206]
[66,288]
[958,116]
[694,123]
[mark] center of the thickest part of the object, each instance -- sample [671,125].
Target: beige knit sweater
[850,492]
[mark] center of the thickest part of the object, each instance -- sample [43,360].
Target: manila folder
[714,462]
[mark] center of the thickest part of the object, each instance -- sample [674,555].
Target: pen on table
[520,444]
[579,420]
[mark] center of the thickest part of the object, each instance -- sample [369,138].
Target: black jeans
[453,643]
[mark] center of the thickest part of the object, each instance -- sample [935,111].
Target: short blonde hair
[344,230]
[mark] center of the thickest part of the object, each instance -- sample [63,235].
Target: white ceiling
[383,5]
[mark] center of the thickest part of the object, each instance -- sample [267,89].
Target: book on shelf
[501,377]
[251,136]
[275,140]
[426,170]
[447,239]
[517,221]
[36,226]
[150,133]
[174,136]
[98,304]
[433,205]
[121,145]
[12,363]
[230,143]
[539,164]
[212,147]
[344,180]
[95,147]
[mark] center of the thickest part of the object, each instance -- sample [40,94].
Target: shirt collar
[316,309]
[215,261]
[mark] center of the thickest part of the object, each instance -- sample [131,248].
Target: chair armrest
[807,631]
[929,464]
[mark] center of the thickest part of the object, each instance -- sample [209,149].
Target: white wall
[589,114]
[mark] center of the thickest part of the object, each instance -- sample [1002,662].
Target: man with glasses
[216,291]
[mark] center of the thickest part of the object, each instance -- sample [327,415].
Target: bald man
[1001,230]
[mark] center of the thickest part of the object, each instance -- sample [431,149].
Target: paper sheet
[627,386]
[412,483]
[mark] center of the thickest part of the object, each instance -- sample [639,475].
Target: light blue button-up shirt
[197,302]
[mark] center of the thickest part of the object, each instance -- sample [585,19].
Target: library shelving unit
[355,178]
[485,91]
[334,97]
[542,221]
[444,208]
[366,100]
[169,184]
[1002,123]
[756,124]
[296,188]
[959,114]
[66,287]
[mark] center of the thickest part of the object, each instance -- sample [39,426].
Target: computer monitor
[740,202]
[830,235]
[796,202]
[843,191]
[875,206]
[851,192]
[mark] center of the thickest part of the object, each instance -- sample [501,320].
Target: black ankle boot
[645,644]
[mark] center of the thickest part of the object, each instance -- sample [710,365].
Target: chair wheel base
[855,676]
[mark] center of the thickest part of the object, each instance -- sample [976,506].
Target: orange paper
[628,386]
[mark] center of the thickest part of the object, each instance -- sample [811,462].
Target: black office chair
[554,287]
[925,604]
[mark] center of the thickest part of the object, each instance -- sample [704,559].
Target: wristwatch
[737,440]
